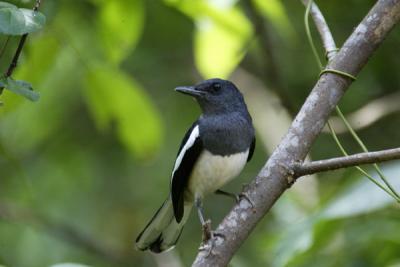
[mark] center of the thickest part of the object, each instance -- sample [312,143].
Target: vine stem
[331,50]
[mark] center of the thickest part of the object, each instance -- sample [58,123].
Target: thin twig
[37,5]
[344,152]
[364,148]
[327,39]
[344,162]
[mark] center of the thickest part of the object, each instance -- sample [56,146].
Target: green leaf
[364,196]
[221,36]
[18,21]
[112,96]
[59,95]
[11,21]
[275,12]
[297,239]
[39,60]
[21,88]
[7,5]
[120,24]
[34,20]
[217,51]
[220,41]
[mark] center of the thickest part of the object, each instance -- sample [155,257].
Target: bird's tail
[162,232]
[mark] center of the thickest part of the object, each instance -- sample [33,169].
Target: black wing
[251,150]
[182,172]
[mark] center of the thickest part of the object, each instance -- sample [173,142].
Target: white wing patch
[189,143]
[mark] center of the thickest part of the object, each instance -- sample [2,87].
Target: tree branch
[312,167]
[275,177]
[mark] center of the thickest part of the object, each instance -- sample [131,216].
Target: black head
[215,96]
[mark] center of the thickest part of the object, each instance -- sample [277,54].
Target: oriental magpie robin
[213,151]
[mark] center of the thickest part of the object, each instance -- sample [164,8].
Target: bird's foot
[245,196]
[209,238]
[237,197]
[207,232]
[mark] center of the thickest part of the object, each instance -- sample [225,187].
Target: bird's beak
[189,90]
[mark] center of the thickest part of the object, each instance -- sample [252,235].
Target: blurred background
[83,169]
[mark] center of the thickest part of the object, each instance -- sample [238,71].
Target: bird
[213,151]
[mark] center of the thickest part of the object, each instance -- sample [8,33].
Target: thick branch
[274,178]
[306,168]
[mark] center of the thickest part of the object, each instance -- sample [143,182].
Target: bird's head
[215,96]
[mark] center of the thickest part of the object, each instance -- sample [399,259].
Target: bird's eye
[216,87]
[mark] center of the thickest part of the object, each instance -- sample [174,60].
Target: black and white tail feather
[165,228]
[163,231]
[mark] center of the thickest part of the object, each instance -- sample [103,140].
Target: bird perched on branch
[214,150]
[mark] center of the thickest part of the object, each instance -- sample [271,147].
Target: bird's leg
[208,235]
[237,197]
[206,225]
[228,194]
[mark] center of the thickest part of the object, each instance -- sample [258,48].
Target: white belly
[211,172]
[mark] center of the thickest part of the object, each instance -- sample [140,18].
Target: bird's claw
[239,197]
[209,238]
[245,196]
[207,232]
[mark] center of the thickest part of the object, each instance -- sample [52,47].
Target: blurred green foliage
[17,21]
[85,167]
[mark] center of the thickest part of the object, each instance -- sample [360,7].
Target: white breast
[211,172]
